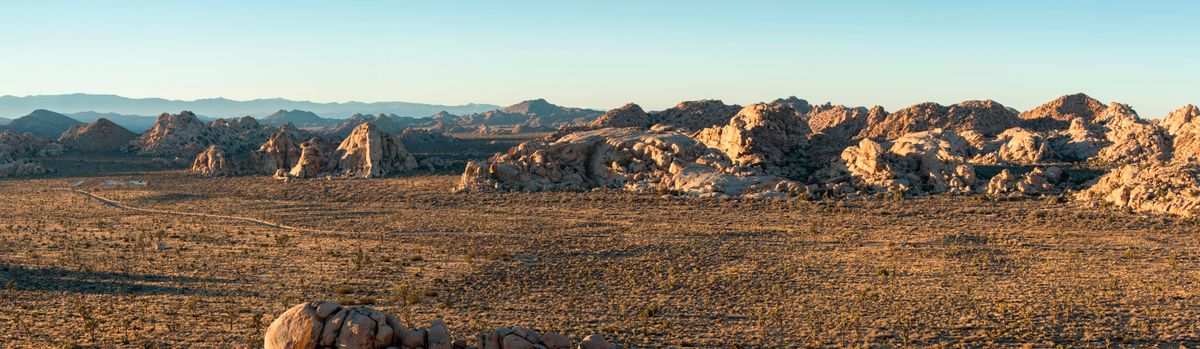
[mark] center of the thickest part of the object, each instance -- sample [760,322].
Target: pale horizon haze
[605,54]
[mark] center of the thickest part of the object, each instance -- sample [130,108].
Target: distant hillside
[135,123]
[299,118]
[5,121]
[220,107]
[42,122]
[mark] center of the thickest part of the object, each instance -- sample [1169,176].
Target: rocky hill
[134,123]
[43,123]
[791,148]
[183,135]
[100,135]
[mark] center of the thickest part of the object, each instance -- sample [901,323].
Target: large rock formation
[280,152]
[172,135]
[367,153]
[1150,187]
[1131,139]
[760,135]
[655,160]
[916,163]
[316,158]
[183,135]
[212,162]
[100,135]
[1016,146]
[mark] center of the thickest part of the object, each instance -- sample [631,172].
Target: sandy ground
[645,270]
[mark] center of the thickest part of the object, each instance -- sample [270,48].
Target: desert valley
[776,224]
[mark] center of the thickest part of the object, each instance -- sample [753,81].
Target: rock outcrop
[330,325]
[916,163]
[1016,146]
[280,152]
[316,158]
[1040,181]
[760,135]
[100,135]
[369,153]
[212,162]
[1177,119]
[1172,188]
[1131,139]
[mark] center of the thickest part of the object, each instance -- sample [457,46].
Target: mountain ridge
[11,105]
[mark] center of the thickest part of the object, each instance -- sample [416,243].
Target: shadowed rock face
[100,135]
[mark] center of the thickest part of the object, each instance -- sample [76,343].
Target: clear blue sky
[602,54]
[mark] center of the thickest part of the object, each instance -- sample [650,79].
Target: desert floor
[645,270]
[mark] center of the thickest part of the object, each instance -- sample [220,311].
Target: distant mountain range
[5,121]
[536,115]
[13,106]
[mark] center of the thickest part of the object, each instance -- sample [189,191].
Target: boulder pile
[330,325]
[17,149]
[922,162]
[1150,187]
[1040,181]
[791,148]
[659,159]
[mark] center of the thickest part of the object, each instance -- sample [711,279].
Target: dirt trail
[120,205]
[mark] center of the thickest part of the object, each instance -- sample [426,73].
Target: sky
[602,54]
